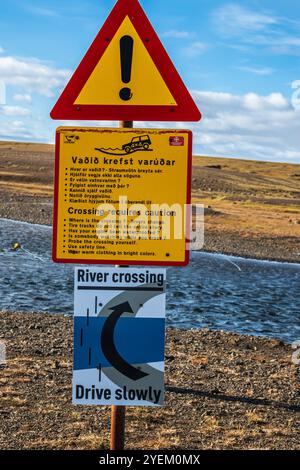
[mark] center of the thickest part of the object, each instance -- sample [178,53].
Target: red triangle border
[186,109]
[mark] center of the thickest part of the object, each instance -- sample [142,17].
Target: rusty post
[117,429]
[118,413]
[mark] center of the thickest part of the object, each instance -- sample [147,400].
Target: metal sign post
[117,427]
[126,74]
[118,413]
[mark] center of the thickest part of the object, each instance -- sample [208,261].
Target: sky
[239,59]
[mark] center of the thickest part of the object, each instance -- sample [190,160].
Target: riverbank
[252,208]
[224,391]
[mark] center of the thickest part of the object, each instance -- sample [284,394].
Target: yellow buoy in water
[16,246]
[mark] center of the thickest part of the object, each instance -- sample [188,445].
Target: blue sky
[240,59]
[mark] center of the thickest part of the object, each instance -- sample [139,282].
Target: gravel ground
[224,391]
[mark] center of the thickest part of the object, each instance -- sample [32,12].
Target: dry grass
[210,424]
[83,442]
[254,199]
[26,147]
[255,417]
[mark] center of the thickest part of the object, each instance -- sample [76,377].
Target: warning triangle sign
[126,75]
[109,76]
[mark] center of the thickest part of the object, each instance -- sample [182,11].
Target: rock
[239,362]
[214,167]
[170,358]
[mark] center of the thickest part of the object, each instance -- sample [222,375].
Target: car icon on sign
[142,142]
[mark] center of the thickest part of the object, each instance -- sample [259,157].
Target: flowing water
[214,291]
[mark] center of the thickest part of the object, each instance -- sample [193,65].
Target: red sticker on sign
[176,141]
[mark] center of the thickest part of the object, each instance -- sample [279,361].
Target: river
[214,291]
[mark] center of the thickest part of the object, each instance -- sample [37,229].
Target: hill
[252,207]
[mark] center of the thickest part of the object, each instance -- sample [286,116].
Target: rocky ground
[224,391]
[252,209]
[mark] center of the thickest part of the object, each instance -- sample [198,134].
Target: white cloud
[256,102]
[174,34]
[1,50]
[15,130]
[14,111]
[233,19]
[40,11]
[2,93]
[26,97]
[279,35]
[195,49]
[264,71]
[32,75]
[247,126]
[243,126]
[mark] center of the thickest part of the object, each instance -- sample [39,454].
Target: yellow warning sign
[105,83]
[126,75]
[121,196]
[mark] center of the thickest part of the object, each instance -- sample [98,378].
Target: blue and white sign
[119,336]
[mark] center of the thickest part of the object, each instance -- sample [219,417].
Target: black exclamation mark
[126,50]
